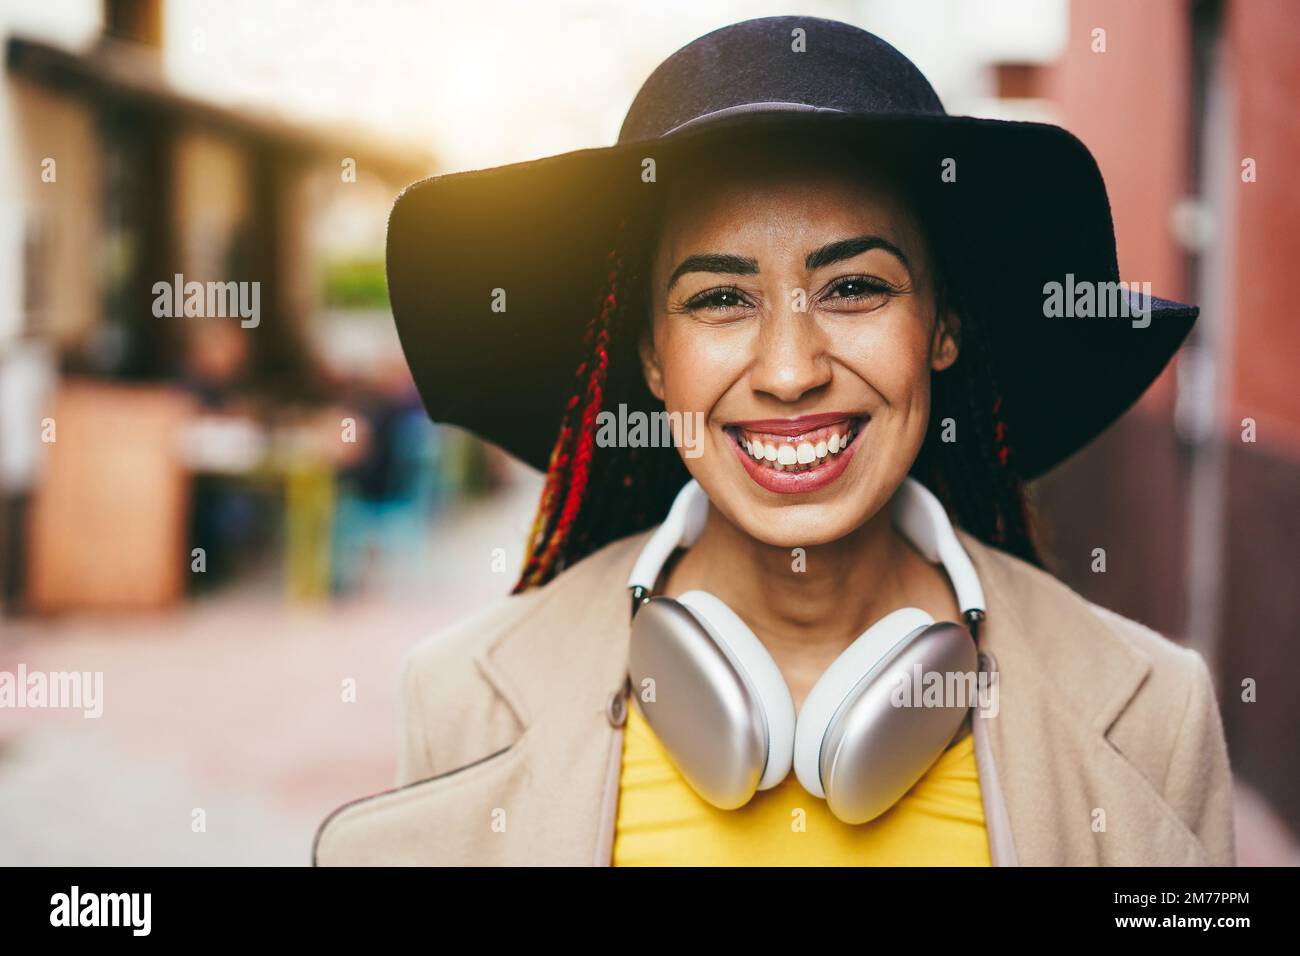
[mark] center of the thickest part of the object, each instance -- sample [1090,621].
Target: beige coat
[1107,747]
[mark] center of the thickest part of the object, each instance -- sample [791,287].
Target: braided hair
[593,495]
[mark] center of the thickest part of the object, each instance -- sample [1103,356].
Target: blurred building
[1195,494]
[119,182]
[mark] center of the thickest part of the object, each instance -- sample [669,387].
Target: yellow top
[662,821]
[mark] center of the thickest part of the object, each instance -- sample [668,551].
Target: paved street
[232,705]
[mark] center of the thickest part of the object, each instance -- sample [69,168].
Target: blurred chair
[310,496]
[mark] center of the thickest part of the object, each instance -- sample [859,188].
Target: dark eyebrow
[848,248]
[715,262]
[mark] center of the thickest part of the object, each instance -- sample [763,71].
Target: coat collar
[1063,679]
[578,638]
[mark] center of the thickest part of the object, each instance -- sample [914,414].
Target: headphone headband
[916,513]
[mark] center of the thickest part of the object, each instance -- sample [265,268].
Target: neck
[806,609]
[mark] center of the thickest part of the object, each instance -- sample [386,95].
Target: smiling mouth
[808,451]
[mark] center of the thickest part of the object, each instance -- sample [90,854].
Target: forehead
[775,197]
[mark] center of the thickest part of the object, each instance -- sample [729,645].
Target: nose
[792,358]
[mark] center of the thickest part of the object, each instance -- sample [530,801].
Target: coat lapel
[544,800]
[561,675]
[1063,678]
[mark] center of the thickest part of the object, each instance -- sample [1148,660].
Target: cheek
[893,357]
[698,365]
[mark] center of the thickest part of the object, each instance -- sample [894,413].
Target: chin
[792,524]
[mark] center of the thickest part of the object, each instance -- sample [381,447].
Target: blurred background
[244,528]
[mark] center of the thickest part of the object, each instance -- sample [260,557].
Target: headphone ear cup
[725,724]
[836,685]
[877,745]
[756,666]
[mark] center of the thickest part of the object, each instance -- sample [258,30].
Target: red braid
[569,470]
[1000,433]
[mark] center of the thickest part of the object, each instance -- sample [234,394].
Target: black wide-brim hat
[1028,199]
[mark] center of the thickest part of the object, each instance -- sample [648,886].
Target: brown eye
[717,299]
[858,287]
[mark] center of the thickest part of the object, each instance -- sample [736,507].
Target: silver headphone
[716,700]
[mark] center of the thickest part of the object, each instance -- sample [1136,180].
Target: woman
[836,293]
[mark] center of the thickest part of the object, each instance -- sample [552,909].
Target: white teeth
[786,457]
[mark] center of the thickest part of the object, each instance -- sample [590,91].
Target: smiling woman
[863,341]
[774,264]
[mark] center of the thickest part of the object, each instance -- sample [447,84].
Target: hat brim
[1028,198]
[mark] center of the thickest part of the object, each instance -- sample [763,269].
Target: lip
[799,482]
[793,427]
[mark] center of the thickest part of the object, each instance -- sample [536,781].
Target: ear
[946,342]
[650,368]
